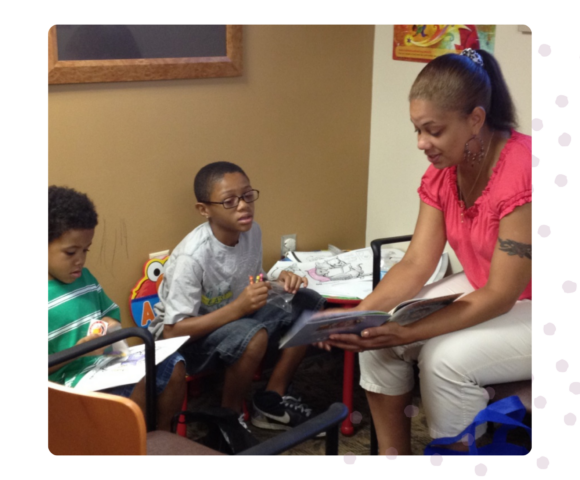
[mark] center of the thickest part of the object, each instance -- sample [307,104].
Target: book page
[413,310]
[115,371]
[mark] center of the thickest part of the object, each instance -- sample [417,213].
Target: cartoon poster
[422,43]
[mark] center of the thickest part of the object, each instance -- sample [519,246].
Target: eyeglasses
[232,202]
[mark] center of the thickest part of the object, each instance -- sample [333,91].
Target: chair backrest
[92,423]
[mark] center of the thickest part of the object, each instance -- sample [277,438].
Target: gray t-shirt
[202,274]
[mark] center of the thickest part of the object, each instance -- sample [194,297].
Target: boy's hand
[113,324]
[253,298]
[291,281]
[88,338]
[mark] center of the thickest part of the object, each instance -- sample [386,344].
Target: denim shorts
[227,344]
[163,371]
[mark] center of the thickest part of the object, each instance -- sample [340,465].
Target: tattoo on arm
[515,248]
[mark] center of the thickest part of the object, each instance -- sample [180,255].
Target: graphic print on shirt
[216,296]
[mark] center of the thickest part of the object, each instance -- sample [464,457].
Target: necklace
[463,198]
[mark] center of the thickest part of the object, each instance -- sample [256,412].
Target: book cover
[312,327]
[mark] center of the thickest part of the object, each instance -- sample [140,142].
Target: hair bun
[473,55]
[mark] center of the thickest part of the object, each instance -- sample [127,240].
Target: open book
[311,328]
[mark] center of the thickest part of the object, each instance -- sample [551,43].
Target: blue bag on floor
[509,412]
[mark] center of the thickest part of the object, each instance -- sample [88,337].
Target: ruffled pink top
[473,232]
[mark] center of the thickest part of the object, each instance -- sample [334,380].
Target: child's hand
[292,281]
[88,338]
[113,324]
[253,297]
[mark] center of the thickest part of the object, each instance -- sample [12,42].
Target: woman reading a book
[477,195]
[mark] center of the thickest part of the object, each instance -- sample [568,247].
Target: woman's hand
[291,281]
[322,346]
[391,334]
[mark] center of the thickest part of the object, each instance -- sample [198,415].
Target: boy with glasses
[207,293]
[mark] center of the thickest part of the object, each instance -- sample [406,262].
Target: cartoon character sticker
[144,296]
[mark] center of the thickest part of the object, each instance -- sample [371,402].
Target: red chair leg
[181,426]
[347,385]
[246,411]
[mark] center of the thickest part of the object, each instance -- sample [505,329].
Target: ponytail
[502,113]
[456,82]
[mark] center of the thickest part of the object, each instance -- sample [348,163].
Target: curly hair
[69,210]
[208,175]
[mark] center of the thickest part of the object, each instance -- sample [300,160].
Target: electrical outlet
[288,244]
[161,254]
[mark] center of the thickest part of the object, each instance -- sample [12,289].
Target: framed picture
[548,27]
[422,43]
[129,53]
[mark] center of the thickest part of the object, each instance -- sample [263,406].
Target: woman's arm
[510,273]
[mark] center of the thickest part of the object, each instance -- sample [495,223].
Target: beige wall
[297,121]
[396,165]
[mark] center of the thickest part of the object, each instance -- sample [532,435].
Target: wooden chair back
[92,423]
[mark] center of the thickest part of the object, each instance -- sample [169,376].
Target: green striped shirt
[71,308]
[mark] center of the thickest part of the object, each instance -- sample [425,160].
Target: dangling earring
[472,157]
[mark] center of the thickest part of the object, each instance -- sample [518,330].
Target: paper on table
[114,371]
[348,274]
[345,266]
[347,289]
[305,257]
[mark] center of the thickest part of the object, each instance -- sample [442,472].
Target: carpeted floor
[319,381]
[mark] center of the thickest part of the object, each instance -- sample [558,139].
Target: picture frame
[145,69]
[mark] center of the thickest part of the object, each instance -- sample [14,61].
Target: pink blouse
[473,232]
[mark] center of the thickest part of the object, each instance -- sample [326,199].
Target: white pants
[454,368]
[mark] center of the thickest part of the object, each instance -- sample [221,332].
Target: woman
[476,194]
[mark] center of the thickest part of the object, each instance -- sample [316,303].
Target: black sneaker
[228,432]
[292,395]
[273,412]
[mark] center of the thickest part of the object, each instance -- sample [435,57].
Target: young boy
[209,292]
[75,298]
